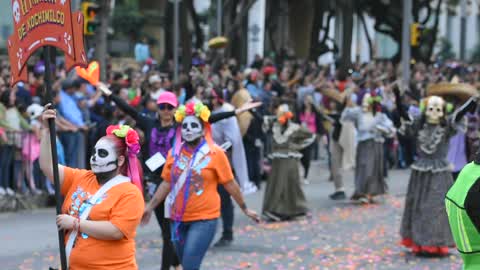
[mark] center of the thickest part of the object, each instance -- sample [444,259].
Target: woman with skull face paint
[101,207]
[424,228]
[160,136]
[372,128]
[191,175]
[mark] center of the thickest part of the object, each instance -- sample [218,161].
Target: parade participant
[102,207]
[284,198]
[463,211]
[160,134]
[424,227]
[228,131]
[372,128]
[191,175]
[311,118]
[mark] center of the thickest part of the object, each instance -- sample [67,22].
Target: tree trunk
[367,34]
[186,39]
[300,23]
[435,30]
[237,32]
[347,31]
[101,44]
[199,38]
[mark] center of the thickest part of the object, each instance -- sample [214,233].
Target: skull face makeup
[365,104]
[192,129]
[104,158]
[434,110]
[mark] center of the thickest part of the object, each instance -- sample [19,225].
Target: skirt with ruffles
[369,179]
[284,196]
[425,227]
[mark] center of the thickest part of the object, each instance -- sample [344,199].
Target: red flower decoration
[190,108]
[132,137]
[111,128]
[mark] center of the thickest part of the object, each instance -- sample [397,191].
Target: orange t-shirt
[122,205]
[203,201]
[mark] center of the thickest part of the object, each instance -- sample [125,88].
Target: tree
[101,38]
[388,20]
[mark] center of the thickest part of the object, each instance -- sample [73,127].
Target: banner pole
[53,142]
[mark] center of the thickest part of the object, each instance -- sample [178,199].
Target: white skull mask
[192,129]
[104,158]
[434,110]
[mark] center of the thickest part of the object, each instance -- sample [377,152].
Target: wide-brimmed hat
[218,42]
[462,91]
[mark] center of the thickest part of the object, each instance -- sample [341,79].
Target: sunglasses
[164,106]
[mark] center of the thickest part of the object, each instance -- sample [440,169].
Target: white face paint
[104,158]
[192,129]
[365,104]
[434,111]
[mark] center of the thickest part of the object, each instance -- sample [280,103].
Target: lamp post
[219,17]
[176,39]
[463,28]
[406,53]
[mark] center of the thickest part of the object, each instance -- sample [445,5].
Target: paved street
[339,235]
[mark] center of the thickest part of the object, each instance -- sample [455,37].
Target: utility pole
[463,29]
[176,34]
[406,53]
[219,17]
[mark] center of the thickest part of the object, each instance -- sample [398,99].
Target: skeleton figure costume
[424,227]
[284,198]
[372,127]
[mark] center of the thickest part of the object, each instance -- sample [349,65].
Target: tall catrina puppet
[284,198]
[372,128]
[424,227]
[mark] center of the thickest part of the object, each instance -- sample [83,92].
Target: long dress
[284,196]
[424,227]
[369,169]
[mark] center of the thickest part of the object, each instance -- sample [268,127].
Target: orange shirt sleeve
[128,211]
[167,168]
[70,177]
[222,167]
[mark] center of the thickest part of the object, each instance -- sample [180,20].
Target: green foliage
[446,51]
[127,19]
[476,54]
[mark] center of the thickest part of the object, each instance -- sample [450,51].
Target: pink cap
[168,98]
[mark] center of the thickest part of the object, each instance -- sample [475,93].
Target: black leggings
[169,257]
[306,158]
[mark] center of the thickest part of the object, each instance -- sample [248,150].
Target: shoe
[10,192]
[2,191]
[271,217]
[306,182]
[223,242]
[338,195]
[37,192]
[363,200]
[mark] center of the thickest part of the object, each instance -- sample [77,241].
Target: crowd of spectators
[84,113]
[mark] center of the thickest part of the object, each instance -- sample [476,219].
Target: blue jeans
[6,164]
[195,238]
[227,212]
[71,142]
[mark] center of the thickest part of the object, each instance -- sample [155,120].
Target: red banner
[39,23]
